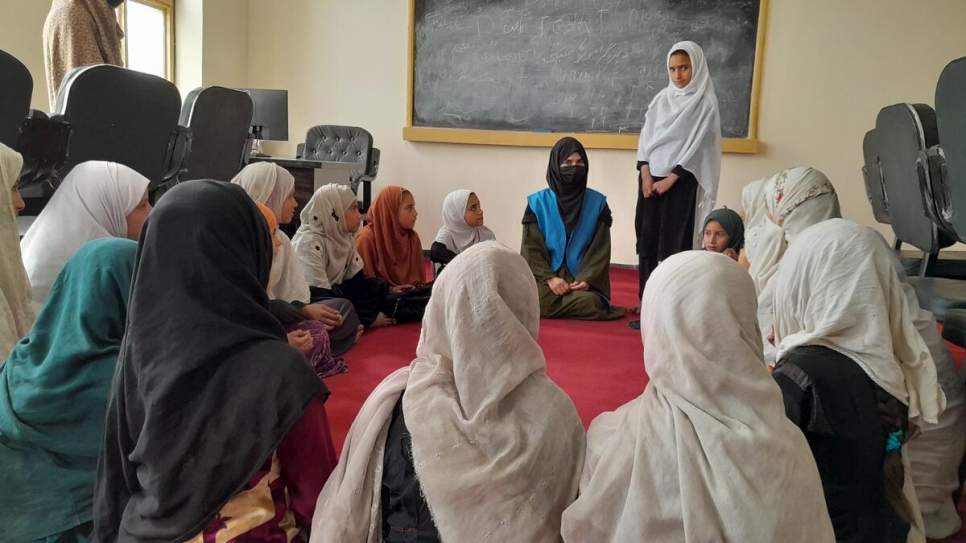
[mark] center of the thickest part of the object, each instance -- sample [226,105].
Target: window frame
[166,7]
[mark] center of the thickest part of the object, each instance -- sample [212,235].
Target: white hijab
[753,203]
[497,445]
[797,198]
[682,127]
[455,234]
[794,199]
[93,202]
[323,244]
[706,453]
[270,185]
[837,287]
[16,316]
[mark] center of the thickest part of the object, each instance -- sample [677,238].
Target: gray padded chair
[124,116]
[219,121]
[949,186]
[876,193]
[334,143]
[903,132]
[872,175]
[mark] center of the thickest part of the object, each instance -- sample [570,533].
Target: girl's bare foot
[359,331]
[383,320]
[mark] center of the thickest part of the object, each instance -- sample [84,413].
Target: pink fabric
[320,358]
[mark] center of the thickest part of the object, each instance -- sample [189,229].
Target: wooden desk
[310,175]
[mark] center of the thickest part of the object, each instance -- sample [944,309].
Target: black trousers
[366,294]
[665,224]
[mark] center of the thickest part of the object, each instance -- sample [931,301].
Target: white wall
[830,65]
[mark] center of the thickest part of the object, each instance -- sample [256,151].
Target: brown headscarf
[388,250]
[79,33]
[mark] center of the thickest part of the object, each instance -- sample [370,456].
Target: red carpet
[599,364]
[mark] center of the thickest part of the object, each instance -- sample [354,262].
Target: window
[149,36]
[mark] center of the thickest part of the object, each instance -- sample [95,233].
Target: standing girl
[679,160]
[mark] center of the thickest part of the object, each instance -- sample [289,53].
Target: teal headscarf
[54,389]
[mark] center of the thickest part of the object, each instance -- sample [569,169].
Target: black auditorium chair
[14,97]
[124,116]
[219,121]
[42,141]
[903,133]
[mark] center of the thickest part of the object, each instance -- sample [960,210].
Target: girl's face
[353,218]
[288,208]
[18,202]
[573,160]
[407,212]
[474,212]
[679,69]
[135,219]
[715,237]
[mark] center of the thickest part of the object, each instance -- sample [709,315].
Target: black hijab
[569,183]
[732,224]
[206,385]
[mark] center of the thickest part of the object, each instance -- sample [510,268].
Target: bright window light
[146,39]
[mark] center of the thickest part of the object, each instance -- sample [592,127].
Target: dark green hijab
[54,389]
[732,224]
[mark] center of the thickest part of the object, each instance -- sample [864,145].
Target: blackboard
[573,66]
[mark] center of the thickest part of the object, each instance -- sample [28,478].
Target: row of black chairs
[114,114]
[915,178]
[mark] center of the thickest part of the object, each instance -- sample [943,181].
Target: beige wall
[210,35]
[21,35]
[211,44]
[225,43]
[830,65]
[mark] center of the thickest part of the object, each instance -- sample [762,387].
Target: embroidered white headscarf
[682,127]
[497,445]
[93,202]
[455,234]
[706,453]
[16,316]
[270,185]
[324,246]
[794,200]
[837,287]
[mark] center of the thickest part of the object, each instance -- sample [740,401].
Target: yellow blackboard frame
[591,140]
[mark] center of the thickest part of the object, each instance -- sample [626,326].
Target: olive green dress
[589,305]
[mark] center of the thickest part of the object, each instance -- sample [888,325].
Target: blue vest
[564,249]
